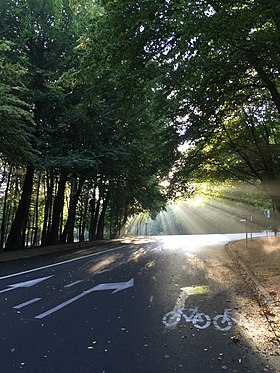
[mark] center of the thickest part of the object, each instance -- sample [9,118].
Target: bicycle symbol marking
[199,319]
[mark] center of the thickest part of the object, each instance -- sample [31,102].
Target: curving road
[151,305]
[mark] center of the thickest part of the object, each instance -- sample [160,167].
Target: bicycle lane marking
[200,320]
[60,263]
[185,292]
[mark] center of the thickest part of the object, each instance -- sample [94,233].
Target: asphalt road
[116,311]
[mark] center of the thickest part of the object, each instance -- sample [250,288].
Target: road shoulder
[258,262]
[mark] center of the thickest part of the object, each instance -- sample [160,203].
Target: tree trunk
[101,222]
[16,236]
[68,231]
[270,85]
[52,237]
[92,207]
[48,206]
[36,213]
[84,217]
[96,215]
[4,215]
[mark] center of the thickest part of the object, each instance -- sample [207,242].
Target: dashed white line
[102,271]
[73,283]
[62,305]
[19,306]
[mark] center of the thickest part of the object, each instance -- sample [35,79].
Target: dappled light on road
[104,263]
[114,260]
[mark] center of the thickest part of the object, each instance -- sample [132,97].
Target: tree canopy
[215,66]
[97,96]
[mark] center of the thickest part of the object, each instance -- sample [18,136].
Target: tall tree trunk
[36,213]
[101,222]
[92,207]
[4,215]
[52,237]
[68,231]
[84,218]
[48,206]
[96,214]
[16,236]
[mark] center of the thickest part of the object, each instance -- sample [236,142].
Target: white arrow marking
[25,284]
[118,286]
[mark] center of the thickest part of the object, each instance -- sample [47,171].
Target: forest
[97,99]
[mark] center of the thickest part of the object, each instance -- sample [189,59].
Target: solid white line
[5,290]
[62,305]
[26,303]
[73,283]
[60,263]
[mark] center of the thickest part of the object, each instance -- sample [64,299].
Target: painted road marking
[103,270]
[25,284]
[199,319]
[118,286]
[19,306]
[60,263]
[73,283]
[185,292]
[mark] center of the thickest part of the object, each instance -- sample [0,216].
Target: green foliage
[105,91]
[15,116]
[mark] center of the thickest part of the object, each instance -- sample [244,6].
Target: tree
[211,60]
[43,38]
[137,143]
[16,121]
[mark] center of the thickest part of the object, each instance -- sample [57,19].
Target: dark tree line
[78,157]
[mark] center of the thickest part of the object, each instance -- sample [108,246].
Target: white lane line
[118,286]
[62,305]
[19,306]
[73,283]
[60,263]
[102,271]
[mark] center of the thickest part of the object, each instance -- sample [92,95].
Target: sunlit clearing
[212,209]
[137,240]
[186,241]
[205,215]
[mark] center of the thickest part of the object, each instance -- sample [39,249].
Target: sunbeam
[210,215]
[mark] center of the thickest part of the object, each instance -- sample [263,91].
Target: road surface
[156,305]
